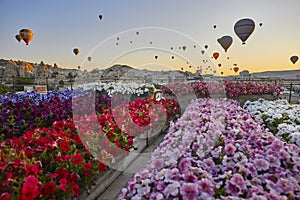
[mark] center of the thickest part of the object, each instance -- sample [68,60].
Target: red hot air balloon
[235,69]
[216,55]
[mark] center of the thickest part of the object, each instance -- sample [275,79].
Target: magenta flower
[273,161]
[190,177]
[231,189]
[206,186]
[277,145]
[229,149]
[172,189]
[261,164]
[184,164]
[189,191]
[238,181]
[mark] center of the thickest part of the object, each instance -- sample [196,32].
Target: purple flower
[284,186]
[158,163]
[189,191]
[160,185]
[273,161]
[238,181]
[184,164]
[144,187]
[231,189]
[229,149]
[156,196]
[277,145]
[209,164]
[258,197]
[206,186]
[261,164]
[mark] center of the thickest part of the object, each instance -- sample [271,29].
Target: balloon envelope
[244,28]
[26,35]
[18,37]
[184,48]
[235,69]
[100,17]
[294,59]
[225,42]
[216,55]
[206,46]
[76,51]
[89,59]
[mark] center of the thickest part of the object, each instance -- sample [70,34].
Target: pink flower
[206,186]
[190,177]
[158,163]
[189,191]
[231,189]
[238,181]
[229,149]
[63,184]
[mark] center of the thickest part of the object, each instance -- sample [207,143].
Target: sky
[134,32]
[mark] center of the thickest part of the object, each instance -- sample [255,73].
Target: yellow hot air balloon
[244,28]
[76,51]
[18,37]
[26,35]
[294,59]
[225,42]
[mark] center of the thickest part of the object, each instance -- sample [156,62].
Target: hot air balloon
[131,42]
[78,67]
[235,69]
[89,59]
[195,46]
[206,46]
[18,37]
[244,28]
[172,57]
[234,64]
[225,42]
[156,57]
[215,26]
[183,48]
[216,55]
[118,38]
[76,51]
[202,52]
[222,73]
[219,64]
[260,24]
[294,59]
[26,35]
[100,17]
[190,66]
[171,48]
[137,33]
[181,68]
[150,42]
[227,58]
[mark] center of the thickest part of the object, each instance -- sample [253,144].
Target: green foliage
[4,89]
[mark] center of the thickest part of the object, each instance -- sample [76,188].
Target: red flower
[63,184]
[75,190]
[50,188]
[30,188]
[32,169]
[77,159]
[88,166]
[101,167]
[65,146]
[5,196]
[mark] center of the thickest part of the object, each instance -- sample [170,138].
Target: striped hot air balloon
[244,28]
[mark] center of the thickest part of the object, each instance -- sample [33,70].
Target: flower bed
[226,88]
[216,150]
[59,161]
[119,88]
[279,116]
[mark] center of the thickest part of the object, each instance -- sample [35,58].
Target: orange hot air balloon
[216,55]
[235,69]
[26,35]
[18,37]
[89,59]
[76,51]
